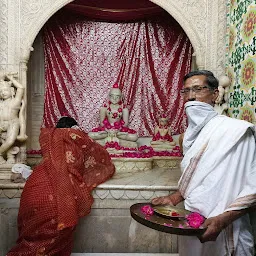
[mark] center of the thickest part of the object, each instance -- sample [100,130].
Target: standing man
[218,173]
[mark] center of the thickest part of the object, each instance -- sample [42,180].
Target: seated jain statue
[162,139]
[12,118]
[114,119]
[221,103]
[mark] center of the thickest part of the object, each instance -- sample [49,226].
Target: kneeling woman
[58,192]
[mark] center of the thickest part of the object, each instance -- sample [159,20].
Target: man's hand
[162,200]
[172,199]
[214,226]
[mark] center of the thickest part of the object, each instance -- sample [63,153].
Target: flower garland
[142,152]
[115,114]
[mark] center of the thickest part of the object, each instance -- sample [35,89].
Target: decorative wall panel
[241,65]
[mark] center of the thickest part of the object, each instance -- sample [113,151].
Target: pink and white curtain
[84,58]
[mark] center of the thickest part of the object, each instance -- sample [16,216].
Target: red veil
[58,192]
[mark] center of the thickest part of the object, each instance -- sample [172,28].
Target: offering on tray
[170,211]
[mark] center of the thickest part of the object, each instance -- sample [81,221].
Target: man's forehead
[195,80]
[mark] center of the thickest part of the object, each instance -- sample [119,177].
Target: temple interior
[117,67]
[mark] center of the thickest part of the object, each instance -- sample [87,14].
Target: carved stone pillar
[3,35]
[22,156]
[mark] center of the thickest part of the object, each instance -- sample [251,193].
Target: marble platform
[109,228]
[124,164]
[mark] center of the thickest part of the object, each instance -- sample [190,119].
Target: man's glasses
[195,89]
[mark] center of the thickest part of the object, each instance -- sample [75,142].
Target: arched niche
[35,85]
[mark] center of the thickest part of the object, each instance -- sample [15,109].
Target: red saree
[58,192]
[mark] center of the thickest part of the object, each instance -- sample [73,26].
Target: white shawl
[219,174]
[219,165]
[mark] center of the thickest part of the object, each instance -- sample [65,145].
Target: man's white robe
[219,174]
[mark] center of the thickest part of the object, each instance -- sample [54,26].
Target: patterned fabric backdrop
[242,59]
[84,58]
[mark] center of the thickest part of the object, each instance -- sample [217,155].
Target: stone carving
[114,118]
[162,139]
[131,165]
[12,118]
[11,192]
[34,14]
[196,31]
[197,10]
[127,194]
[167,162]
[221,103]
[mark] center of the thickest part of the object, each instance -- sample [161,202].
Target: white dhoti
[219,174]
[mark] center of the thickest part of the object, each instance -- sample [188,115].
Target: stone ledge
[117,194]
[127,186]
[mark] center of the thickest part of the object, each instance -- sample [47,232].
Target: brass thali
[162,220]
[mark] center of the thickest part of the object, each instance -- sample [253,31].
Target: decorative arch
[188,27]
[39,18]
[33,28]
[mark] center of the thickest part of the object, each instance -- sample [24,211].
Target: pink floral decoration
[124,129]
[105,121]
[147,210]
[195,220]
[115,85]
